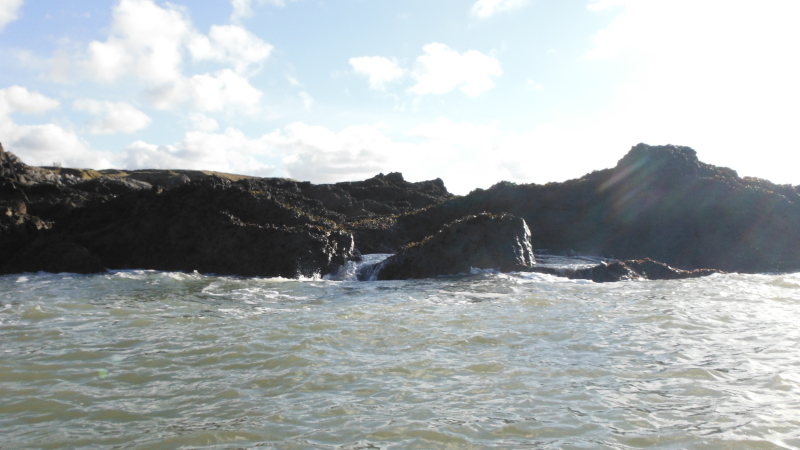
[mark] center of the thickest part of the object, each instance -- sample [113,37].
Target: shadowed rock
[659,202]
[56,257]
[475,242]
[211,226]
[189,220]
[112,186]
[643,269]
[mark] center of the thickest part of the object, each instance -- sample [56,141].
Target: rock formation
[641,269]
[659,202]
[82,220]
[475,242]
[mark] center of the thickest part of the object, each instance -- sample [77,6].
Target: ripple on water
[146,359]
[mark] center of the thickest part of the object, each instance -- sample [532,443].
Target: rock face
[212,226]
[659,202]
[81,220]
[481,242]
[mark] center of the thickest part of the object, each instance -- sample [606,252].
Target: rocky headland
[660,203]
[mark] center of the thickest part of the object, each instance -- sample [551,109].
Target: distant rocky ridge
[659,202]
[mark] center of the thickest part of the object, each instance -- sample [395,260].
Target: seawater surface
[143,359]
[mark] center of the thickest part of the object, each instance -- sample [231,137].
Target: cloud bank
[147,44]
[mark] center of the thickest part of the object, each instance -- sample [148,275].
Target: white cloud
[119,117]
[19,99]
[444,130]
[293,81]
[464,155]
[380,70]
[206,92]
[148,42]
[307,99]
[9,12]
[201,122]
[42,144]
[441,69]
[243,9]
[231,44]
[483,9]
[320,155]
[230,151]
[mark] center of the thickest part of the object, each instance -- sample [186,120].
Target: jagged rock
[642,269]
[659,202]
[654,270]
[474,242]
[112,186]
[166,179]
[211,226]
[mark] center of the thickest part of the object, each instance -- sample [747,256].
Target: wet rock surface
[610,271]
[483,241]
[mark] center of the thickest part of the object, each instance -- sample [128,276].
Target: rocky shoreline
[660,203]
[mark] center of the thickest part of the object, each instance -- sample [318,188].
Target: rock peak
[648,154]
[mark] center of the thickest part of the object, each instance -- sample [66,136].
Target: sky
[470,91]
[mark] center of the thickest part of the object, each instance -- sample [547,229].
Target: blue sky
[472,91]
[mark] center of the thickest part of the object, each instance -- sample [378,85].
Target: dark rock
[612,271]
[18,229]
[56,257]
[166,179]
[112,186]
[604,272]
[659,202]
[211,226]
[654,270]
[482,242]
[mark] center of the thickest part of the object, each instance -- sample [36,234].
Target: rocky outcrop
[502,243]
[474,242]
[83,220]
[211,226]
[659,202]
[642,269]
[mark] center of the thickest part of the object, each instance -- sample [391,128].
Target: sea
[162,360]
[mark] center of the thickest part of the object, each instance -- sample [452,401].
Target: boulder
[474,242]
